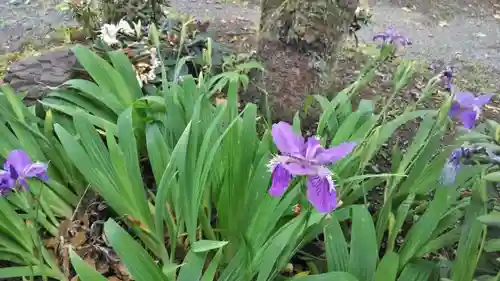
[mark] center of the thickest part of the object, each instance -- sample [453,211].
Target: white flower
[155,62]
[125,27]
[110,31]
[108,34]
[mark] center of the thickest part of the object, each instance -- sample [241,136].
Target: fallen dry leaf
[90,261]
[406,9]
[64,260]
[51,243]
[220,100]
[122,270]
[64,226]
[78,239]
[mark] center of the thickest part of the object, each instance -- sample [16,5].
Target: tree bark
[298,40]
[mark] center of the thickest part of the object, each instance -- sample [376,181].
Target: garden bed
[133,158]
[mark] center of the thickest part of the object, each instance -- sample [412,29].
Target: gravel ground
[458,30]
[25,22]
[470,35]
[450,30]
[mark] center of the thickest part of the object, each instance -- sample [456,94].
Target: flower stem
[38,239]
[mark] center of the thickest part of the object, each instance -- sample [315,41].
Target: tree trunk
[298,40]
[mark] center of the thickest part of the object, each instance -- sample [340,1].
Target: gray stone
[35,75]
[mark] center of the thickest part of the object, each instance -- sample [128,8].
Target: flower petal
[313,146]
[321,193]
[286,140]
[17,160]
[301,168]
[449,173]
[330,155]
[449,83]
[281,178]
[37,170]
[382,36]
[398,38]
[454,109]
[468,118]
[482,100]
[6,181]
[465,99]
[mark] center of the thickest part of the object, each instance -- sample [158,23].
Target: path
[446,31]
[468,34]
[28,22]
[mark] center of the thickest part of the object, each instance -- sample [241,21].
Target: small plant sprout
[467,108]
[305,158]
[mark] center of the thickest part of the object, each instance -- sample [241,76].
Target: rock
[34,75]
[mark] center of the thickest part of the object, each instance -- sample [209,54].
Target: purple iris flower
[305,158]
[467,107]
[452,166]
[6,183]
[391,36]
[18,167]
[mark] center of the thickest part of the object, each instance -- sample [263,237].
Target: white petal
[125,27]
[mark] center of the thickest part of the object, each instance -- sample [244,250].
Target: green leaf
[209,274]
[420,233]
[420,271]
[92,91]
[108,78]
[495,176]
[122,63]
[128,145]
[401,215]
[337,253]
[207,245]
[193,266]
[468,251]
[330,276]
[364,252]
[68,98]
[491,219]
[138,262]
[9,273]
[83,269]
[72,111]
[492,245]
[388,267]
[14,101]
